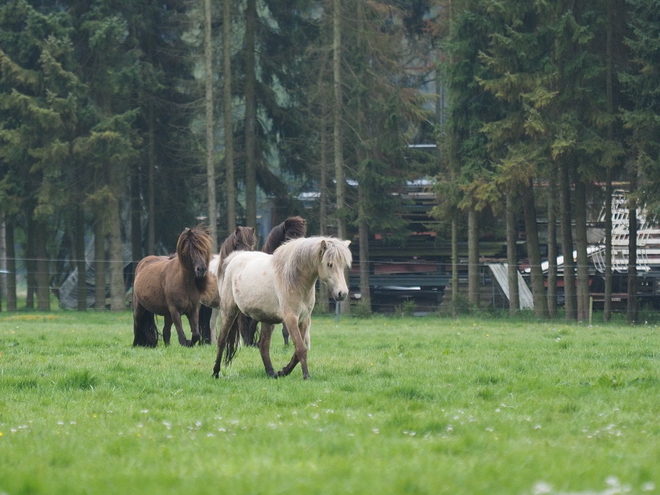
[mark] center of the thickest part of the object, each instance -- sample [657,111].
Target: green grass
[401,405]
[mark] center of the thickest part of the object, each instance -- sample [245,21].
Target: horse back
[249,283]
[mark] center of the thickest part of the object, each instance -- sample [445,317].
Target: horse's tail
[145,330]
[247,328]
[233,340]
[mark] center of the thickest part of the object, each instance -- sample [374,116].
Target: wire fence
[407,287]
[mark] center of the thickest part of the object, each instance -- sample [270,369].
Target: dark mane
[242,239]
[291,228]
[192,243]
[195,243]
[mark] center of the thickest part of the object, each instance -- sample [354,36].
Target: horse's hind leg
[264,348]
[227,318]
[300,354]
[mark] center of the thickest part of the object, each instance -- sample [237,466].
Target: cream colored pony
[279,288]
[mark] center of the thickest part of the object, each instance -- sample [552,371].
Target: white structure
[648,239]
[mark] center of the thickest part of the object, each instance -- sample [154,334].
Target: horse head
[335,258]
[244,239]
[294,227]
[194,249]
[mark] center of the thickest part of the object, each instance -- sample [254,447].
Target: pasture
[394,405]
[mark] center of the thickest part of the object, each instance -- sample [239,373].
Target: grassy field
[401,405]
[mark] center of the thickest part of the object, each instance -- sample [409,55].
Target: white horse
[279,288]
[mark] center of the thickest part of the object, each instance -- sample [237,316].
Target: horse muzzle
[340,296]
[200,272]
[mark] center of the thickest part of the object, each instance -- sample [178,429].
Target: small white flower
[541,488]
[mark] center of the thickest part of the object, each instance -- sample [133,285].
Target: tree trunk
[473,257]
[581,247]
[79,255]
[210,127]
[534,253]
[116,255]
[228,117]
[323,196]
[631,309]
[607,309]
[338,140]
[609,86]
[337,114]
[151,186]
[136,220]
[12,304]
[365,292]
[567,241]
[99,263]
[30,263]
[250,116]
[43,275]
[454,265]
[552,245]
[512,254]
[3,259]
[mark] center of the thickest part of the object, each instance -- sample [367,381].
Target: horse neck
[305,279]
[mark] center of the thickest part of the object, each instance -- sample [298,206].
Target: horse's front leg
[264,348]
[300,354]
[167,329]
[176,319]
[193,319]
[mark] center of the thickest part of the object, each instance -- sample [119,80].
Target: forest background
[133,120]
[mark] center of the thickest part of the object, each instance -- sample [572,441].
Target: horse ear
[323,247]
[238,229]
[251,229]
[347,243]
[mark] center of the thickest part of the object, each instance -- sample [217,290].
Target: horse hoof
[215,375]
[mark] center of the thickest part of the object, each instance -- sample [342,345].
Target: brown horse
[289,229]
[172,286]
[242,239]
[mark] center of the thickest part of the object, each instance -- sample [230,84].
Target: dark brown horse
[242,239]
[289,229]
[172,286]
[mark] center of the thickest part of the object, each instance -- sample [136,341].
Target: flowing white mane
[303,256]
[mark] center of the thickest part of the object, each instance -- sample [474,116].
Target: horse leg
[167,330]
[215,312]
[193,319]
[143,331]
[176,319]
[264,348]
[300,354]
[227,318]
[285,334]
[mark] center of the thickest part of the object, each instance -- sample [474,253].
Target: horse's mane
[300,256]
[291,228]
[193,241]
[242,239]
